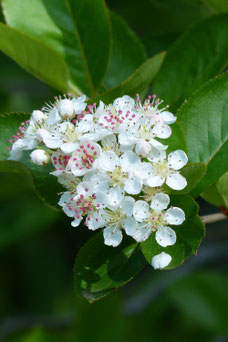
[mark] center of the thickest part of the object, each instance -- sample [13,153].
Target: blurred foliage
[38,245]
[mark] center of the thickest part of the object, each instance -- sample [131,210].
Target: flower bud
[66,108]
[40,157]
[38,116]
[161,260]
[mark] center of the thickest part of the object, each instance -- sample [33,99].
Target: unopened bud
[38,116]
[40,157]
[66,108]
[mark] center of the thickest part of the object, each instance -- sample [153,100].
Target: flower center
[161,169]
[156,219]
[117,177]
[116,217]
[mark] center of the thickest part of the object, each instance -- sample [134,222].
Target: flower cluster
[112,163]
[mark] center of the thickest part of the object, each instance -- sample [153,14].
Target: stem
[213,218]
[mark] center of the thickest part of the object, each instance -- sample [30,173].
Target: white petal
[160,202]
[100,110]
[154,181]
[142,147]
[50,140]
[68,212]
[156,144]
[112,236]
[100,181]
[76,221]
[176,181]
[68,147]
[130,225]
[165,236]
[53,117]
[108,161]
[17,150]
[133,186]
[174,216]
[142,232]
[124,103]
[129,161]
[157,155]
[109,141]
[162,131]
[79,104]
[168,117]
[115,196]
[144,171]
[127,139]
[94,221]
[101,199]
[177,159]
[161,260]
[85,189]
[127,205]
[86,123]
[65,198]
[141,210]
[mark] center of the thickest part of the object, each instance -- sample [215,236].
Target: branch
[213,218]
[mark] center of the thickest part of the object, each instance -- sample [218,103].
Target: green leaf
[189,234]
[99,269]
[203,119]
[78,31]
[46,185]
[193,172]
[222,186]
[177,140]
[138,82]
[217,193]
[22,213]
[197,56]
[35,56]
[203,298]
[127,52]
[217,6]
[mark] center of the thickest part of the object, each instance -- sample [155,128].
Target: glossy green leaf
[217,193]
[177,140]
[138,82]
[46,185]
[127,52]
[203,119]
[189,234]
[78,31]
[193,172]
[35,56]
[99,269]
[198,55]
[217,6]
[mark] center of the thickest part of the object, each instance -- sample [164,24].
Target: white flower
[161,260]
[151,112]
[166,169]
[40,157]
[82,160]
[117,218]
[38,116]
[84,203]
[117,174]
[69,107]
[60,161]
[66,134]
[156,219]
[124,103]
